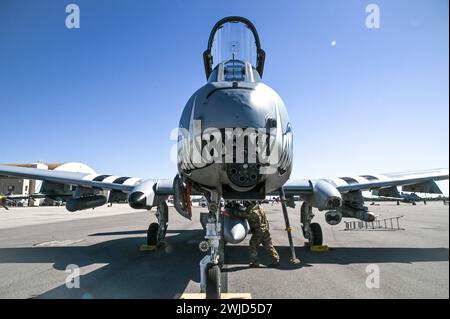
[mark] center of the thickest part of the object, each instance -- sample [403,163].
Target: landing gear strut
[311,231]
[157,231]
[210,272]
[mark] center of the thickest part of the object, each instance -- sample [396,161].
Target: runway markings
[58,243]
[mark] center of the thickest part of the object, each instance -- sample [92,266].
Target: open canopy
[233,38]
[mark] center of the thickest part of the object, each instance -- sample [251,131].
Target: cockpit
[234,53]
[234,71]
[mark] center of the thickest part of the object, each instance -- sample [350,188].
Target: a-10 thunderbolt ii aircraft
[234,142]
[410,198]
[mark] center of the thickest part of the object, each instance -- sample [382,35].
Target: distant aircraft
[235,142]
[392,193]
[412,198]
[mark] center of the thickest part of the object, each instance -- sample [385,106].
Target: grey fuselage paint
[224,105]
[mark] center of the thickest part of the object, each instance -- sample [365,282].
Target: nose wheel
[213,282]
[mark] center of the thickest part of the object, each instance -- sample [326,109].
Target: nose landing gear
[210,265]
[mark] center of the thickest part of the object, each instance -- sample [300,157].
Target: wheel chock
[148,248]
[318,248]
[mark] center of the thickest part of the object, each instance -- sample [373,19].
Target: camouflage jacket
[256,218]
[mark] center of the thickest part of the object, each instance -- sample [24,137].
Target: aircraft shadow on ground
[129,273]
[340,256]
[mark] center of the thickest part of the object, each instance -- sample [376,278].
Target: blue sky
[108,94]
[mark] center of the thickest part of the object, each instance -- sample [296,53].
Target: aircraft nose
[235,107]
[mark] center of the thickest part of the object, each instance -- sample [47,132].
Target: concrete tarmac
[39,246]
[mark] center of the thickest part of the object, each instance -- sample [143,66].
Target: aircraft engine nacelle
[142,196]
[325,196]
[333,217]
[76,204]
[235,229]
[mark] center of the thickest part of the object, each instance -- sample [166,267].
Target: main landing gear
[157,231]
[311,231]
[210,265]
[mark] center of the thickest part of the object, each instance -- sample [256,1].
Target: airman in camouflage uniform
[260,234]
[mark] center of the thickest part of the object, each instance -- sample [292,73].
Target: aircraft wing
[422,181]
[419,181]
[100,181]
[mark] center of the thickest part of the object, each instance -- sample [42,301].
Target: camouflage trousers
[262,238]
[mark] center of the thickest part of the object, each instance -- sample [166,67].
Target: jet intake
[76,204]
[325,196]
